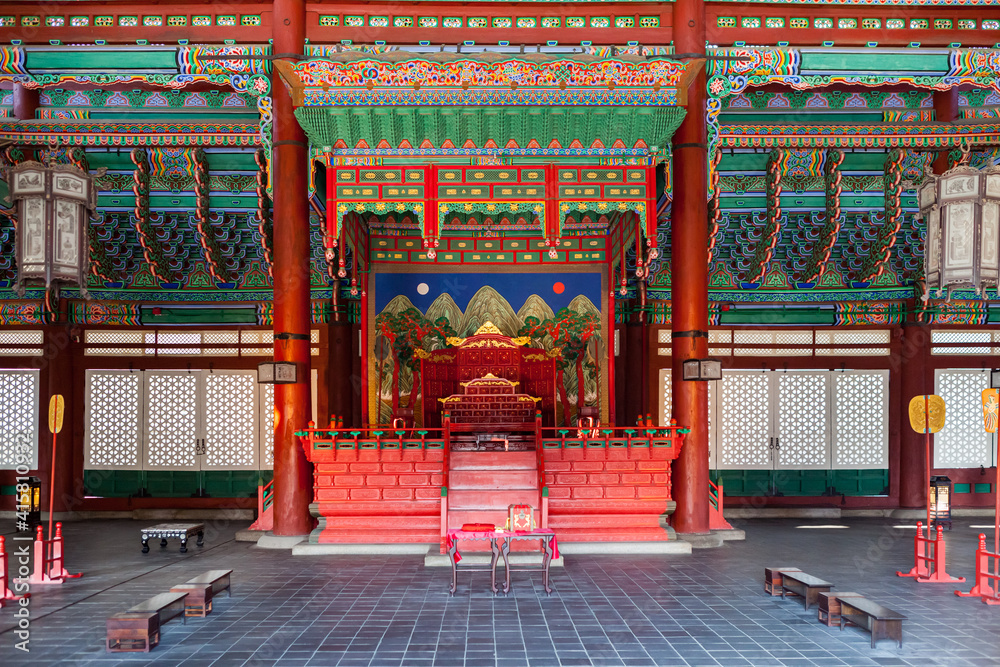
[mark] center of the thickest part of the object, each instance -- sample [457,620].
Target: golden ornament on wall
[927,413]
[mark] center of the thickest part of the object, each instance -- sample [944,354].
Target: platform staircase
[482,485]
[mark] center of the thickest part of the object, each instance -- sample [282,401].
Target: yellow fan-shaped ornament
[991,406]
[927,413]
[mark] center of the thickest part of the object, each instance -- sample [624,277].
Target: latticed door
[802,421]
[173,420]
[743,421]
[19,406]
[113,420]
[860,419]
[231,413]
[963,442]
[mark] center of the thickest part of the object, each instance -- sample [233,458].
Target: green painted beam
[778,316]
[100,60]
[780,116]
[158,315]
[876,62]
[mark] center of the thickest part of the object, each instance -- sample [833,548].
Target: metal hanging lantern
[962,211]
[54,203]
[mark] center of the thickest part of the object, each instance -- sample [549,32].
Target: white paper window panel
[852,351]
[617,349]
[963,442]
[113,337]
[174,338]
[19,414]
[720,351]
[266,337]
[952,336]
[754,337]
[19,337]
[720,336]
[864,337]
[772,351]
[663,351]
[22,337]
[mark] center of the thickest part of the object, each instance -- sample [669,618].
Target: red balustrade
[48,559]
[987,585]
[929,558]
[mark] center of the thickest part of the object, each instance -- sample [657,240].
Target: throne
[488,365]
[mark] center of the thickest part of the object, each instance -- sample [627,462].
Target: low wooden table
[829,607]
[167,530]
[881,622]
[549,551]
[804,585]
[199,598]
[500,545]
[451,544]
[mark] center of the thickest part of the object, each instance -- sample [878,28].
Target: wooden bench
[829,607]
[772,579]
[199,598]
[881,622]
[138,629]
[804,585]
[218,579]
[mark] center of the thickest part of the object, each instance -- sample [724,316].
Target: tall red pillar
[689,280]
[292,472]
[917,379]
[914,364]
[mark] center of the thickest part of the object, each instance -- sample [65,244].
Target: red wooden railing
[716,520]
[48,559]
[987,575]
[5,592]
[929,558]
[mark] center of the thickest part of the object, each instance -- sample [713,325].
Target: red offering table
[500,545]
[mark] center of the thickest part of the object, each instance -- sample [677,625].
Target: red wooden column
[292,472]
[689,280]
[917,379]
[945,111]
[914,363]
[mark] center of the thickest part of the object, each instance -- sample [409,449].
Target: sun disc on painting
[558,288]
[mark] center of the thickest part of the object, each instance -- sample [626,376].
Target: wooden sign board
[927,413]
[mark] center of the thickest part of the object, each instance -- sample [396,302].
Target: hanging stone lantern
[54,203]
[962,211]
